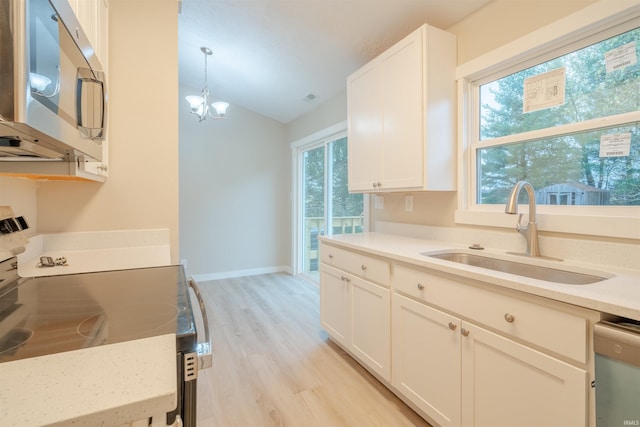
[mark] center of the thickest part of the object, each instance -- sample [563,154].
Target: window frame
[592,24]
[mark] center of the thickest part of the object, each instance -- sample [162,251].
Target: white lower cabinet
[426,359]
[460,374]
[461,352]
[371,326]
[356,314]
[506,384]
[335,300]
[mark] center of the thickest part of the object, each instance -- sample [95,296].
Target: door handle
[205,358]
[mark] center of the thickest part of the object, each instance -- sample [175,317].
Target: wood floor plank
[273,365]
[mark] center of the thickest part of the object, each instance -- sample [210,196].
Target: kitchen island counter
[107,385]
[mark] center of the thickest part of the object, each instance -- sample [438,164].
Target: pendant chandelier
[200,105]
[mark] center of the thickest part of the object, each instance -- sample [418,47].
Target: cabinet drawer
[361,265]
[544,324]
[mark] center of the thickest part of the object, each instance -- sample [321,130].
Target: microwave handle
[205,358]
[90,103]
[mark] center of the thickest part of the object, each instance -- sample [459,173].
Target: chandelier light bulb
[195,102]
[220,107]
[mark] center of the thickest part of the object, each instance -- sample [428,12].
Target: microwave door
[62,98]
[44,57]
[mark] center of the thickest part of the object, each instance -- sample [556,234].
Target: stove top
[47,315]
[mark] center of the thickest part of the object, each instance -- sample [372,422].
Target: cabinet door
[507,384]
[403,99]
[426,359]
[364,100]
[335,301]
[370,326]
[86,12]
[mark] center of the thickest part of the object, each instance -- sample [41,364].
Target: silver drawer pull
[509,317]
[464,332]
[420,286]
[363,267]
[452,326]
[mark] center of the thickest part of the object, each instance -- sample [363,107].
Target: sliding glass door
[325,205]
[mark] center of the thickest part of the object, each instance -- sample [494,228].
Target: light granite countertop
[108,385]
[619,294]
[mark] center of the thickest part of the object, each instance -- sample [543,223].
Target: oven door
[190,363]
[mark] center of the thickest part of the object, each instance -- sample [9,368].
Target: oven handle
[205,358]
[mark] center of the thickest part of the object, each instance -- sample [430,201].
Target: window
[324,205]
[588,88]
[566,118]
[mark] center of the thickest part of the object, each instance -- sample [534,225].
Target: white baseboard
[240,273]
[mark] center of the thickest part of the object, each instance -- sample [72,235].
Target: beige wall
[325,115]
[20,194]
[502,21]
[142,190]
[235,180]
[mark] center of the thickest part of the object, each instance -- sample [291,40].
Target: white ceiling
[268,55]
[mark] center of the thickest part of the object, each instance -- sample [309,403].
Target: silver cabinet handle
[420,286]
[464,332]
[345,279]
[509,317]
[375,185]
[452,326]
[205,358]
[363,267]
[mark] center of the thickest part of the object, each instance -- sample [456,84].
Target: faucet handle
[519,225]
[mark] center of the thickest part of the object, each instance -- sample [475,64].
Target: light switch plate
[379,202]
[408,203]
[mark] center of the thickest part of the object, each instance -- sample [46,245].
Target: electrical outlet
[408,203]
[379,202]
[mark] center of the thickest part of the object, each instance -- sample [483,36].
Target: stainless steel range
[47,315]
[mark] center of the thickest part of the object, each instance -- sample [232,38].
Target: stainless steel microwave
[52,86]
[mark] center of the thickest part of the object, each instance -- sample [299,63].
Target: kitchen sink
[518,268]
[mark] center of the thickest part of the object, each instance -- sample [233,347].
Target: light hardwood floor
[273,365]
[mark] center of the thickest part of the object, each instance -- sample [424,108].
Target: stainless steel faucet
[529,231]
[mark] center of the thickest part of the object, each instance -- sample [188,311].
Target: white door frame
[315,140]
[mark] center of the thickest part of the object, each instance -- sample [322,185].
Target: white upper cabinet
[401,116]
[93,17]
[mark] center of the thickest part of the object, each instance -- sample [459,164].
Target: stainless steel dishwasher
[617,365]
